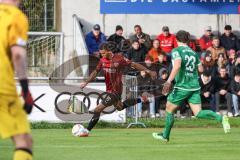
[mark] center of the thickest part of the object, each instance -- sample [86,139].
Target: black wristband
[24,85]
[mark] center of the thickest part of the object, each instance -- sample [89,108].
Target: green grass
[150,123]
[132,144]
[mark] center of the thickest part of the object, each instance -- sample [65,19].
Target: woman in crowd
[209,63]
[221,62]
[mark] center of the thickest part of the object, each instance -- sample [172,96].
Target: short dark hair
[228,27]
[237,73]
[164,72]
[183,36]
[119,27]
[135,41]
[223,67]
[161,53]
[206,73]
[137,26]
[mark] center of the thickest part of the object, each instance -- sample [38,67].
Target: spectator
[216,48]
[209,63]
[207,89]
[206,40]
[231,63]
[235,89]
[149,63]
[162,63]
[144,82]
[94,39]
[160,101]
[155,51]
[167,42]
[236,67]
[143,38]
[222,90]
[117,37]
[137,53]
[229,40]
[192,44]
[221,61]
[151,99]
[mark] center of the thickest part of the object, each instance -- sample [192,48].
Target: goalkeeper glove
[28,105]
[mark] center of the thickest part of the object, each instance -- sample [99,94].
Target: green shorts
[178,97]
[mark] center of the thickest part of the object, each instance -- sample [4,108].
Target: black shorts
[111,99]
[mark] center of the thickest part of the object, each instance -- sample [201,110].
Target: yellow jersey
[13,31]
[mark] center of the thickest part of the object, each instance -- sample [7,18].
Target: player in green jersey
[186,65]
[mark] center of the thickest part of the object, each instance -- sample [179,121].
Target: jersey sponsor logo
[110,70]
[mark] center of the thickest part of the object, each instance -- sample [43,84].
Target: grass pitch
[132,144]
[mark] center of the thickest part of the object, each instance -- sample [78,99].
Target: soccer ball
[77,130]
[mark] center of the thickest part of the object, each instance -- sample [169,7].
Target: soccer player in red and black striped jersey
[113,65]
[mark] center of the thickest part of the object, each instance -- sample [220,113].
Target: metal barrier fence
[131,91]
[45,53]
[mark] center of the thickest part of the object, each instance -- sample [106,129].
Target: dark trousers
[210,100]
[159,102]
[227,97]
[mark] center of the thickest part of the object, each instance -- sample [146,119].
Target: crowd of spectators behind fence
[219,54]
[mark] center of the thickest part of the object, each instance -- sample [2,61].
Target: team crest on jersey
[116,64]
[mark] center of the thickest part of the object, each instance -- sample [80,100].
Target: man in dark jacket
[94,39]
[143,38]
[223,89]
[207,89]
[229,40]
[235,89]
[117,37]
[137,53]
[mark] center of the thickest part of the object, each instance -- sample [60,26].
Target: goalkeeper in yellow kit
[13,113]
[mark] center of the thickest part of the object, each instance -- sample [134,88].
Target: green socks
[207,114]
[168,125]
[204,114]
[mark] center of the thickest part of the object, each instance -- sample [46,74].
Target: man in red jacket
[167,41]
[206,40]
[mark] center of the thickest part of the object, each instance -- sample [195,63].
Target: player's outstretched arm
[92,77]
[19,59]
[140,67]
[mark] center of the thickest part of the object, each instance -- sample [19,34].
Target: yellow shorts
[13,119]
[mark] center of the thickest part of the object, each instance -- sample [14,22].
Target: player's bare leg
[23,144]
[170,109]
[208,114]
[96,116]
